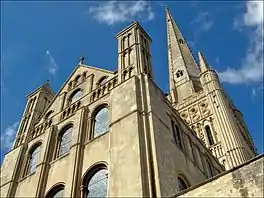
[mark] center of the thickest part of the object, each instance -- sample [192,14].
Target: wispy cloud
[203,21]
[251,70]
[112,12]
[52,66]
[217,60]
[8,136]
[257,90]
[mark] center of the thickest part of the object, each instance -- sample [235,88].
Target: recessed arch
[34,146]
[102,80]
[95,181]
[55,189]
[100,120]
[183,182]
[47,116]
[75,95]
[64,140]
[99,106]
[92,167]
[78,80]
[32,159]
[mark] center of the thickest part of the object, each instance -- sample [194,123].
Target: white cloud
[203,21]
[251,70]
[111,12]
[8,136]
[52,66]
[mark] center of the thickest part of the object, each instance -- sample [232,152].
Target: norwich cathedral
[117,134]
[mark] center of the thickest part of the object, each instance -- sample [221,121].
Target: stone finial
[81,60]
[203,63]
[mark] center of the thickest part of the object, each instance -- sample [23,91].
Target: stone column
[62,101]
[44,165]
[75,157]
[91,83]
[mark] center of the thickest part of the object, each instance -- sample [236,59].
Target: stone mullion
[62,105]
[88,134]
[83,189]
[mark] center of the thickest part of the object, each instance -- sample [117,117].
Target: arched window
[100,121]
[183,184]
[179,73]
[209,134]
[75,96]
[95,183]
[181,41]
[56,192]
[176,134]
[102,80]
[48,114]
[78,80]
[65,141]
[33,159]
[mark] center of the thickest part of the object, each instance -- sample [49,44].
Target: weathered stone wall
[170,159]
[245,180]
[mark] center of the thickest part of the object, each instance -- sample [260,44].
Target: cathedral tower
[133,52]
[37,102]
[200,99]
[236,139]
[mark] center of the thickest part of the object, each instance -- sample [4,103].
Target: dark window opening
[182,184]
[209,135]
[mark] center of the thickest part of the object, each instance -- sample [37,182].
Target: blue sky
[44,40]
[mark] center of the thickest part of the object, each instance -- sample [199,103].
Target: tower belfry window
[181,41]
[179,73]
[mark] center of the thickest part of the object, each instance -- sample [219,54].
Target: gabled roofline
[45,86]
[65,82]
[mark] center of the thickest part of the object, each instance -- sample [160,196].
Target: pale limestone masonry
[245,180]
[197,94]
[150,144]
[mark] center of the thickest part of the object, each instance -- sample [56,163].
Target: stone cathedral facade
[117,134]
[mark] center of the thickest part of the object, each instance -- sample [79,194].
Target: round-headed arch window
[65,141]
[56,192]
[100,121]
[95,182]
[75,96]
[34,158]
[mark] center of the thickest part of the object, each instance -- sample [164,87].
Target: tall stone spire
[183,70]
